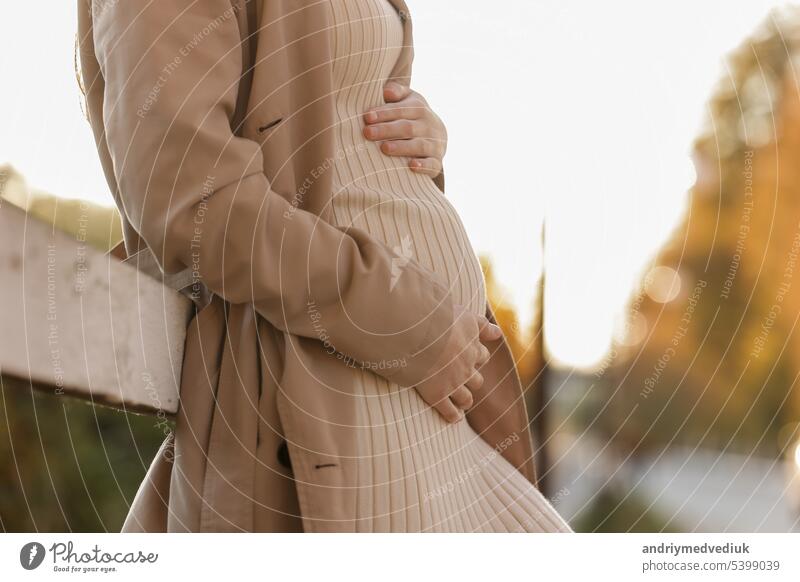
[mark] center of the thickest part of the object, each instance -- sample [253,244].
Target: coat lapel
[402,69]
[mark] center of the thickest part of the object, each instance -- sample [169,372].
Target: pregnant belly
[407,212]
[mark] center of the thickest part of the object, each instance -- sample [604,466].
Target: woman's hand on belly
[406,126]
[449,385]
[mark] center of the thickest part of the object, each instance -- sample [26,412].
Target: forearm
[199,197]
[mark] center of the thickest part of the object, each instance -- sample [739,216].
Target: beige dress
[449,479]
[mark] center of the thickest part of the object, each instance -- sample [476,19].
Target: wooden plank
[76,322]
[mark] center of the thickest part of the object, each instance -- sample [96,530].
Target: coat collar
[402,8]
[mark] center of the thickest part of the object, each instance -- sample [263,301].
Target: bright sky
[582,110]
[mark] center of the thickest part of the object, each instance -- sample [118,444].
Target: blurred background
[627,171]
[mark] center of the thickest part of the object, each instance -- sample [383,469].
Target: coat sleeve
[198,196]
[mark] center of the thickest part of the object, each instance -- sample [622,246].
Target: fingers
[418,147]
[448,410]
[394,92]
[399,129]
[488,331]
[401,103]
[406,128]
[425,154]
[475,383]
[483,355]
[429,166]
[462,398]
[406,109]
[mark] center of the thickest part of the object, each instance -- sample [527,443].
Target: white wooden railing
[77,322]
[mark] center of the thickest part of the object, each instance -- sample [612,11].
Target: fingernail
[416,164]
[388,147]
[371,117]
[369,132]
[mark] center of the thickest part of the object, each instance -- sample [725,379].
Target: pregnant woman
[340,373]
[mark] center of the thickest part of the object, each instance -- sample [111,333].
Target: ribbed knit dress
[416,472]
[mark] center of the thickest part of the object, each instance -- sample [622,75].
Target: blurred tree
[503,310]
[525,347]
[528,352]
[612,512]
[98,226]
[718,362]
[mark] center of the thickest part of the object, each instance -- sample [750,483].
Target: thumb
[394,92]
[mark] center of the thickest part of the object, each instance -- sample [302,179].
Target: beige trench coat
[215,142]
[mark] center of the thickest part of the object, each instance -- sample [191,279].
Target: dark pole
[539,396]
